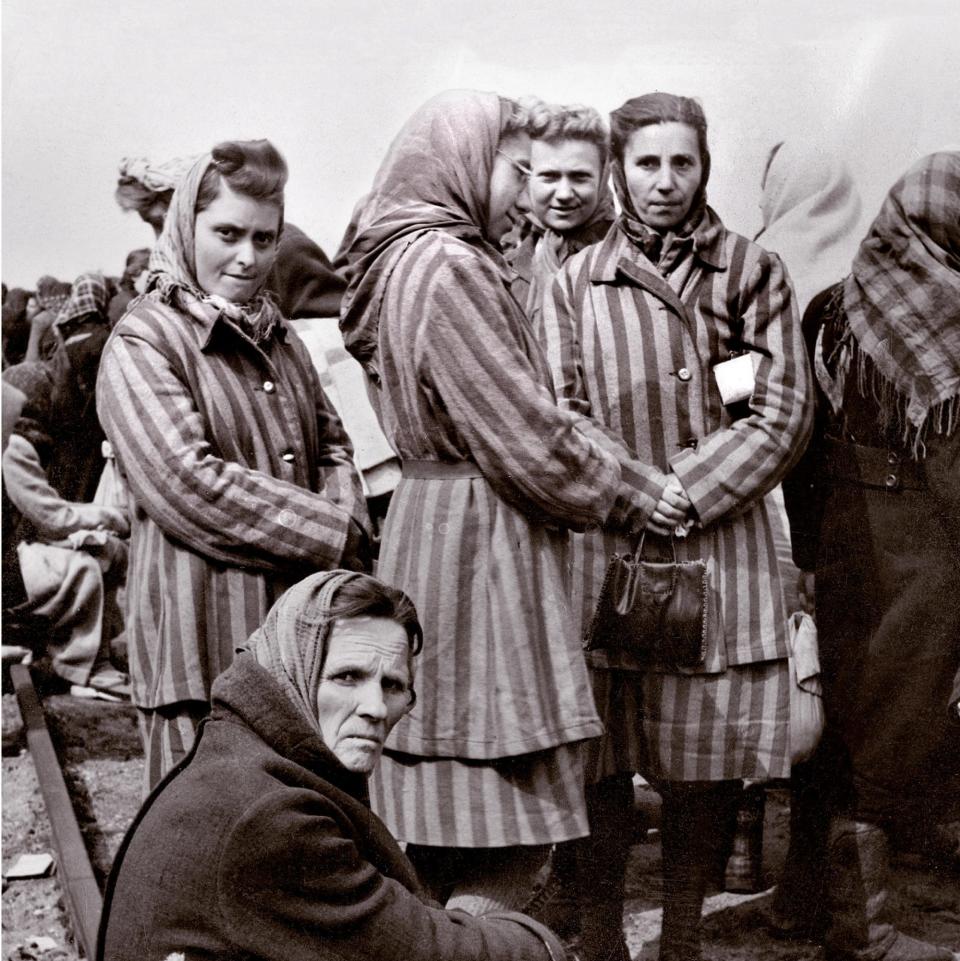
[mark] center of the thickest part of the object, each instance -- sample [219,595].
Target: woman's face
[564,182]
[508,184]
[235,245]
[365,688]
[663,170]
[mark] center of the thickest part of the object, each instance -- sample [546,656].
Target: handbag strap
[626,582]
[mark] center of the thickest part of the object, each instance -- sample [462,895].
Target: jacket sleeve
[293,886]
[223,510]
[557,326]
[39,502]
[473,359]
[734,466]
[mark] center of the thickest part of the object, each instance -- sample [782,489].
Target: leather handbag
[654,610]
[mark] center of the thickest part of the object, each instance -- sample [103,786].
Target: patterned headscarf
[173,267]
[811,211]
[292,642]
[52,294]
[902,299]
[436,175]
[156,177]
[666,248]
[89,294]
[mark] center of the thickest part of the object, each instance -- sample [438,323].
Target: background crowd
[540,311]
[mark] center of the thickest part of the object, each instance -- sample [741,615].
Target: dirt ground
[104,767]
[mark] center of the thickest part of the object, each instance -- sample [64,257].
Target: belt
[439,469]
[873,466]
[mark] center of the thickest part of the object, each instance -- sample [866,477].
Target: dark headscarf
[902,299]
[652,108]
[435,176]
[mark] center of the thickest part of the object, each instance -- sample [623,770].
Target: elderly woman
[241,476]
[875,511]
[635,328]
[302,277]
[261,844]
[570,201]
[487,768]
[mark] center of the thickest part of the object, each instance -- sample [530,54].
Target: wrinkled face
[564,182]
[662,168]
[235,244]
[508,185]
[365,689]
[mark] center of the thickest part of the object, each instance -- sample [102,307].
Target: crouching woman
[260,843]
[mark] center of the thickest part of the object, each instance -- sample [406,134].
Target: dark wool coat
[880,530]
[260,846]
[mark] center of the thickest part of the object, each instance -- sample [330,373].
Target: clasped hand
[672,509]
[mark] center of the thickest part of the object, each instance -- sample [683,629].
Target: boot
[557,904]
[856,886]
[744,869]
[690,844]
[601,869]
[797,908]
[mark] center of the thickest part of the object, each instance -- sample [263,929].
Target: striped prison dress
[493,473]
[242,482]
[636,350]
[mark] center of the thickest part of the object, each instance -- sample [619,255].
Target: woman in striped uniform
[633,328]
[241,475]
[487,768]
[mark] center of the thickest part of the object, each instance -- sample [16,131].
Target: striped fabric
[242,482]
[635,351]
[168,734]
[501,674]
[445,802]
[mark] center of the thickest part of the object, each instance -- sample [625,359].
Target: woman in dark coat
[874,511]
[260,844]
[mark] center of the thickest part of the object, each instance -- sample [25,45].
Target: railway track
[89,787]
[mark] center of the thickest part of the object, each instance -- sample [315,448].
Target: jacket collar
[709,248]
[247,693]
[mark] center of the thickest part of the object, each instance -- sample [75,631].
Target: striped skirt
[701,727]
[528,799]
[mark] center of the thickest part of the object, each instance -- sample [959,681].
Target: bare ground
[104,767]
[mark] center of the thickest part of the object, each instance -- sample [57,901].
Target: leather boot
[601,869]
[744,870]
[557,903]
[797,910]
[856,886]
[690,844]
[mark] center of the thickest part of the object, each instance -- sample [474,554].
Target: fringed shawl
[435,176]
[902,301]
[811,212]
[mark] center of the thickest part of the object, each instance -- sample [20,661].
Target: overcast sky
[86,82]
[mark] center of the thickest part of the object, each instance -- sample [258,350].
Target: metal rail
[81,891]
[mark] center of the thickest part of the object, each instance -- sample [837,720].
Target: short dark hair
[366,596]
[659,108]
[254,168]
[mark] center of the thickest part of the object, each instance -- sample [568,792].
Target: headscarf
[156,177]
[435,176]
[292,642]
[89,294]
[902,300]
[663,249]
[52,294]
[811,210]
[173,267]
